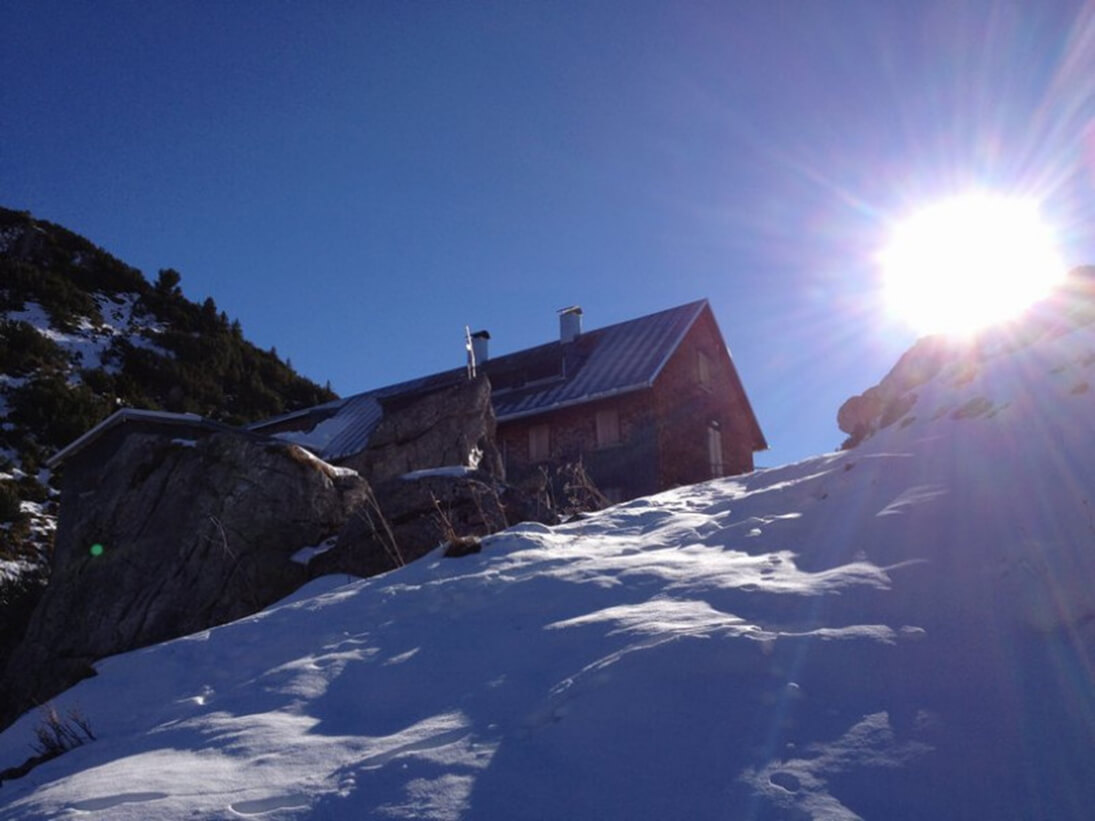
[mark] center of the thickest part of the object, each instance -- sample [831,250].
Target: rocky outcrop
[405,518]
[879,407]
[1071,305]
[451,426]
[175,536]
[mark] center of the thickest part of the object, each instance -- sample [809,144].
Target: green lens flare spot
[96,549]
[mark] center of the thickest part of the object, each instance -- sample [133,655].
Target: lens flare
[969,262]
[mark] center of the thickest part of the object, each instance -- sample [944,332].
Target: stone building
[644,405]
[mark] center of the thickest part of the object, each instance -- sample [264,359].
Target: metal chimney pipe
[570,323]
[480,346]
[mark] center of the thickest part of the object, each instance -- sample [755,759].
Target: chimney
[570,323]
[480,346]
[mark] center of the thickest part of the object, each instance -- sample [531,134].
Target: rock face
[451,426]
[406,518]
[889,400]
[171,537]
[169,531]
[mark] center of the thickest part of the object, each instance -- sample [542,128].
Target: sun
[969,262]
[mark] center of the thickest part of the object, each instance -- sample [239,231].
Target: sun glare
[966,263]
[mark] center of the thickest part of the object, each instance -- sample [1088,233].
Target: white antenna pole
[471,352]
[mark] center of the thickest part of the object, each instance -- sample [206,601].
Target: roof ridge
[407,383]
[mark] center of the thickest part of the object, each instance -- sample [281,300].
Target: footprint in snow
[786,780]
[261,806]
[110,801]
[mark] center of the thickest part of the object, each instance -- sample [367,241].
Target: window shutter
[703,369]
[608,427]
[714,449]
[539,443]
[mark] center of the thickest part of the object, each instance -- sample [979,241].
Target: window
[608,427]
[539,443]
[714,449]
[703,369]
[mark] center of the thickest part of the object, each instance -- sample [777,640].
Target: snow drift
[900,631]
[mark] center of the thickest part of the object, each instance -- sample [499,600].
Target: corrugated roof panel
[618,358]
[362,413]
[326,409]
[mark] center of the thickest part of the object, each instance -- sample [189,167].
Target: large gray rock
[453,425]
[882,405]
[408,517]
[173,537]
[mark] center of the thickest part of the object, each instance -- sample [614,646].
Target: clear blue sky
[356,181]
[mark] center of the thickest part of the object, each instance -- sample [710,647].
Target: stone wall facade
[687,407]
[663,431]
[622,470]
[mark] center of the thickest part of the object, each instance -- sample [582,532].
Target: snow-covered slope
[901,631]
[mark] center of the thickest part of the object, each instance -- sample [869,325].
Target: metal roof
[361,414]
[598,364]
[129,415]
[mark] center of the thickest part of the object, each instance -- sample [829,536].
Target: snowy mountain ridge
[901,631]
